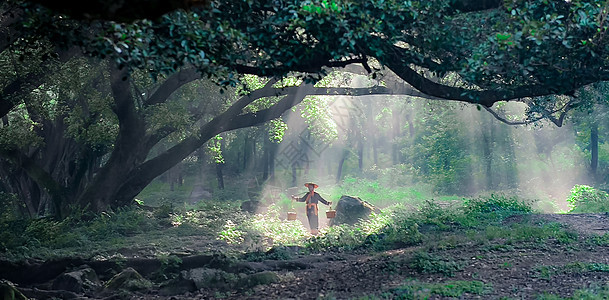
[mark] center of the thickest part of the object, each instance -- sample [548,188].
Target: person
[311,199]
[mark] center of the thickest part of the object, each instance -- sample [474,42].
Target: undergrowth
[586,199]
[595,291]
[414,289]
[395,227]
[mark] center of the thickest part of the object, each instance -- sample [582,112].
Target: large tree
[457,50]
[498,50]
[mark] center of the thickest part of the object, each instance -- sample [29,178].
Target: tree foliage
[111,117]
[500,51]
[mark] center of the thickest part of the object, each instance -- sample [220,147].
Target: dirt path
[504,268]
[509,270]
[583,223]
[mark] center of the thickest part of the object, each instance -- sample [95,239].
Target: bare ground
[509,269]
[514,272]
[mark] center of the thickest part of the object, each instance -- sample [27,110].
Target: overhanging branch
[545,114]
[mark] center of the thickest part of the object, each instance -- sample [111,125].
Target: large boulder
[9,291]
[84,279]
[129,280]
[177,286]
[251,206]
[350,210]
[262,278]
[206,278]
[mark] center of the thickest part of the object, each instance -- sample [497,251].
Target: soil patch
[508,268]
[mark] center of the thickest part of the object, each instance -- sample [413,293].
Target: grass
[547,272]
[414,289]
[46,238]
[429,263]
[485,227]
[397,226]
[384,193]
[595,291]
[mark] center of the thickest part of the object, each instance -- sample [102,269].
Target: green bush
[10,207]
[499,206]
[433,264]
[381,193]
[262,230]
[454,289]
[388,230]
[432,213]
[123,222]
[586,199]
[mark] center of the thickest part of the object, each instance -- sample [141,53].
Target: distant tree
[590,125]
[440,152]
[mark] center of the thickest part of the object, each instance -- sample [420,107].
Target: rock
[282,252]
[77,281]
[206,278]
[8,291]
[295,190]
[254,191]
[177,286]
[350,210]
[199,193]
[250,206]
[261,278]
[130,280]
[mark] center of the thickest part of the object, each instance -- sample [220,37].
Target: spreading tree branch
[122,11]
[545,114]
[171,84]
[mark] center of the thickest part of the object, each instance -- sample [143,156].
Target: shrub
[429,263]
[499,206]
[586,199]
[265,229]
[455,289]
[123,222]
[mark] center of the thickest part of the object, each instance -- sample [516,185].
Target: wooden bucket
[291,216]
[331,213]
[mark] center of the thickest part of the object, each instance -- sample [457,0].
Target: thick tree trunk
[126,172]
[231,119]
[130,149]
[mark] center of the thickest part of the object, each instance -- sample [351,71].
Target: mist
[442,148]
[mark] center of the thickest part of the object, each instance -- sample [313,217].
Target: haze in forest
[441,148]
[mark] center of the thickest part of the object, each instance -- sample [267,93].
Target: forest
[304,149]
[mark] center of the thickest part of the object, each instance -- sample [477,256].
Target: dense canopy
[498,50]
[110,119]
